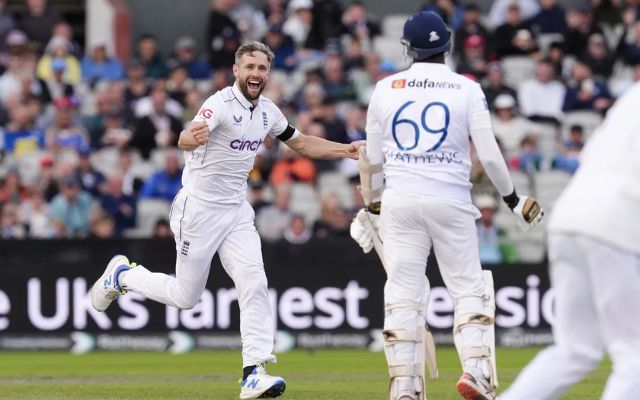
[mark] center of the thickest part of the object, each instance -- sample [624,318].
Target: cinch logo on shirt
[245,145]
[399,84]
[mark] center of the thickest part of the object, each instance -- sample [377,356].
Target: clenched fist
[200,132]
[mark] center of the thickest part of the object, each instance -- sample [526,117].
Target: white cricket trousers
[201,229]
[597,308]
[411,225]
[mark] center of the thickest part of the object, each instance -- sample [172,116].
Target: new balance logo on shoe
[253,384]
[107,282]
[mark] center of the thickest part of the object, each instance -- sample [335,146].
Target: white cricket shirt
[420,121]
[603,198]
[218,171]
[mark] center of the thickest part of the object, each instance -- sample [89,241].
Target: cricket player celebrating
[210,213]
[594,252]
[418,127]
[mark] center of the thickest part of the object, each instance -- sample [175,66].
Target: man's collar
[240,97]
[426,66]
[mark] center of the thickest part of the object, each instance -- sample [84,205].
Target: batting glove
[361,234]
[527,209]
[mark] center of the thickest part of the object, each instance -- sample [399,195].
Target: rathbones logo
[243,144]
[426,83]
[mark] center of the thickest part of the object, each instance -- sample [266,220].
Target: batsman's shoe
[471,387]
[260,385]
[107,289]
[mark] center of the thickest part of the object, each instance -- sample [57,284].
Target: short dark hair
[252,46]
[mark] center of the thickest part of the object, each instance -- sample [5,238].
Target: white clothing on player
[419,124]
[596,288]
[594,251]
[421,120]
[603,197]
[210,214]
[218,171]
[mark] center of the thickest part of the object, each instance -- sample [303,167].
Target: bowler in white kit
[210,213]
[594,255]
[419,125]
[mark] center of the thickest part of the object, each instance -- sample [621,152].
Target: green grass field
[317,375]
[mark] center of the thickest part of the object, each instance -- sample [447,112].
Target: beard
[244,88]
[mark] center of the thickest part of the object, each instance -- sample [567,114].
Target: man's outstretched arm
[316,147]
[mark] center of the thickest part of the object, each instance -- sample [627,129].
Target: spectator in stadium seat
[274,219]
[11,79]
[121,207]
[47,182]
[56,85]
[12,191]
[297,232]
[508,128]
[550,19]
[10,225]
[164,184]
[560,63]
[471,25]
[354,55]
[569,157]
[162,229]
[148,55]
[274,11]
[137,85]
[282,46]
[631,50]
[62,28]
[584,92]
[292,168]
[358,23]
[70,209]
[36,216]
[326,24]
[488,233]
[20,135]
[336,84]
[91,180]
[334,219]
[98,66]
[12,43]
[59,50]
[65,133]
[529,158]
[250,21]
[179,84]
[157,130]
[131,184]
[38,21]
[102,225]
[514,37]
[257,185]
[580,26]
[355,121]
[493,86]
[298,21]
[541,98]
[223,35]
[473,61]
[326,115]
[498,14]
[598,57]
[186,55]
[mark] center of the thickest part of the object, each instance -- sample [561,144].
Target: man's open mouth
[253,84]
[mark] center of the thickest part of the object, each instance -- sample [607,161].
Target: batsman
[419,125]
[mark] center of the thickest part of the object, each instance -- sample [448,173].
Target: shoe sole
[468,392]
[94,289]
[274,391]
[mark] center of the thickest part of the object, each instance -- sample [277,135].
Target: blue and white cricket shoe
[260,385]
[107,289]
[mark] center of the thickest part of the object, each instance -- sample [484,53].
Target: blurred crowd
[88,145]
